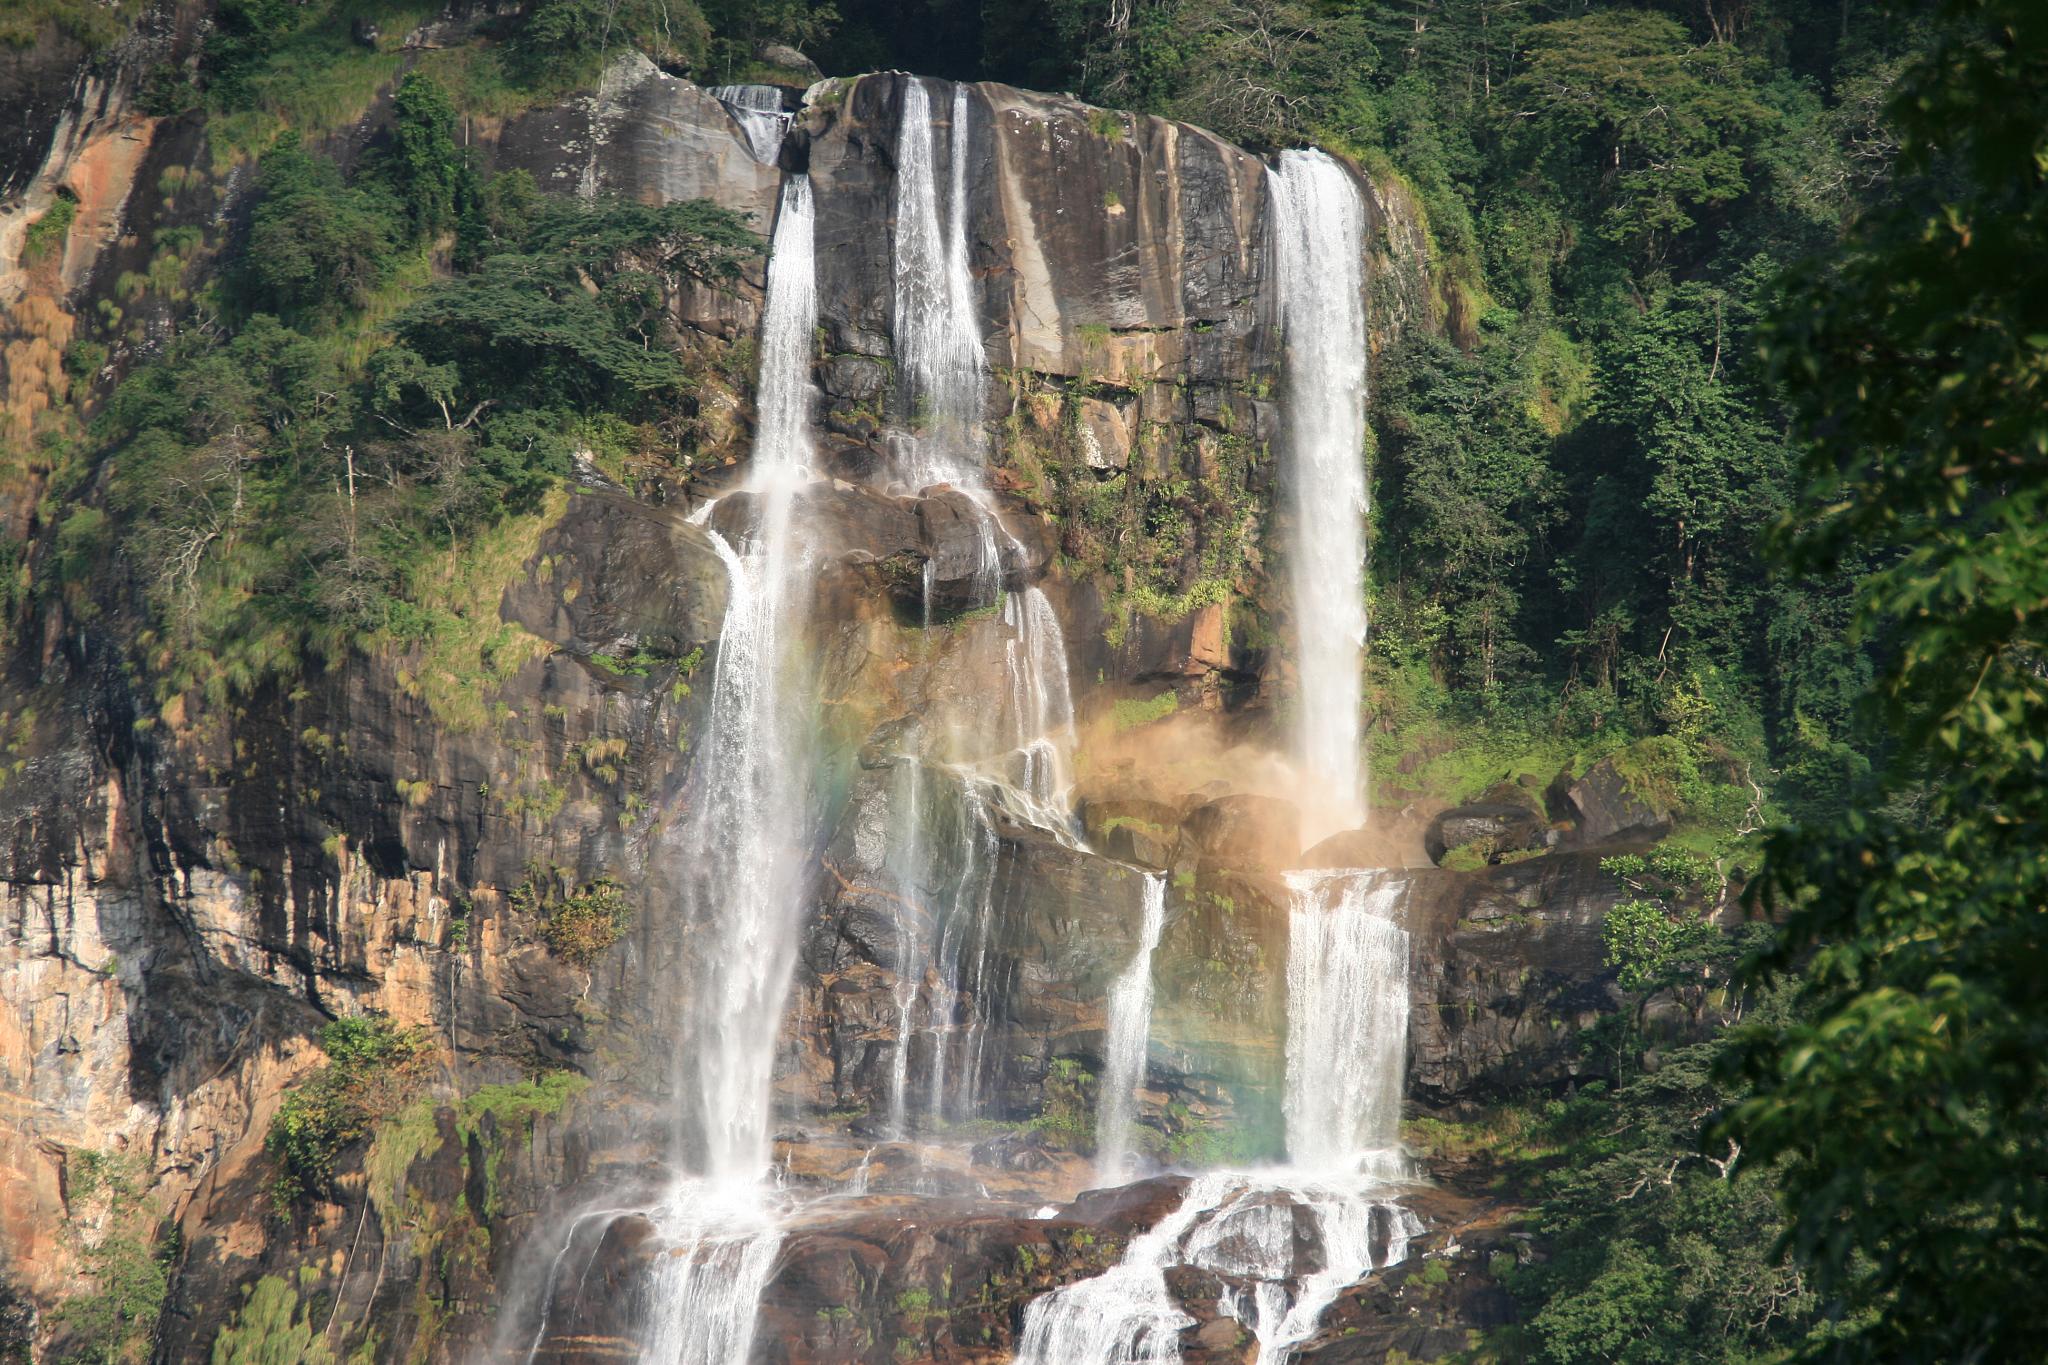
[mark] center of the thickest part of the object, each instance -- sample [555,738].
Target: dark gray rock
[1508,965]
[1246,833]
[1608,808]
[622,577]
[1494,831]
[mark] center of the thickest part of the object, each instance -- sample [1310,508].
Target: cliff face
[191,889]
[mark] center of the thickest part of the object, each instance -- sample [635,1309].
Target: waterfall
[757,109]
[1347,1018]
[739,877]
[938,335]
[1289,1240]
[1318,227]
[1254,1238]
[1124,1316]
[1287,1247]
[1018,765]
[1129,1029]
[965,960]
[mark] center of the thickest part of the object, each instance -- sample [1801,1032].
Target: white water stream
[1318,229]
[740,875]
[1347,1022]
[938,332]
[1011,759]
[1129,1031]
[757,109]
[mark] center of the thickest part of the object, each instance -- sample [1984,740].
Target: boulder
[1247,833]
[786,58]
[1493,830]
[1387,845]
[1523,792]
[1104,434]
[960,544]
[619,576]
[1607,807]
[1132,829]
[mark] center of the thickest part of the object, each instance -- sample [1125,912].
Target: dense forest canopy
[1730,461]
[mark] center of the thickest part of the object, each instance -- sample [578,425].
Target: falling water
[1017,767]
[1318,225]
[1254,1238]
[757,109]
[938,336]
[740,878]
[1130,1029]
[1347,1018]
[965,960]
[1248,1228]
[1124,1316]
[1041,707]
[1289,1240]
[740,871]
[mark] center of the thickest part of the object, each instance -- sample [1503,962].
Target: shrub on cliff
[374,1067]
[582,924]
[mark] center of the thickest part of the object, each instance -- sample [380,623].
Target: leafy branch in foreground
[1909,1110]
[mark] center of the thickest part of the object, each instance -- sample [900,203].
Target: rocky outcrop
[1508,965]
[192,883]
[1490,832]
[1608,806]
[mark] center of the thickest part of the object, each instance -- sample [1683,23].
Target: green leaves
[1909,1113]
[316,245]
[373,1068]
[425,165]
[1658,127]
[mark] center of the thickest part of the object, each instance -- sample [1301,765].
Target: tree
[1909,1111]
[1465,489]
[425,163]
[1654,126]
[316,244]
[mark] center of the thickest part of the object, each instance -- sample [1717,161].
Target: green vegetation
[126,1257]
[272,1328]
[95,23]
[365,439]
[1131,713]
[1067,1110]
[372,1071]
[576,925]
[1915,362]
[46,234]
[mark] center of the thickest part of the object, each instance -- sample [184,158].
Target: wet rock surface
[191,889]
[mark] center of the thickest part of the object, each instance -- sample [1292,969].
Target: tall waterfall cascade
[1318,228]
[965,880]
[742,878]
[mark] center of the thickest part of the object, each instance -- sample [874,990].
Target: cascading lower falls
[1286,1241]
[1318,229]
[1347,1021]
